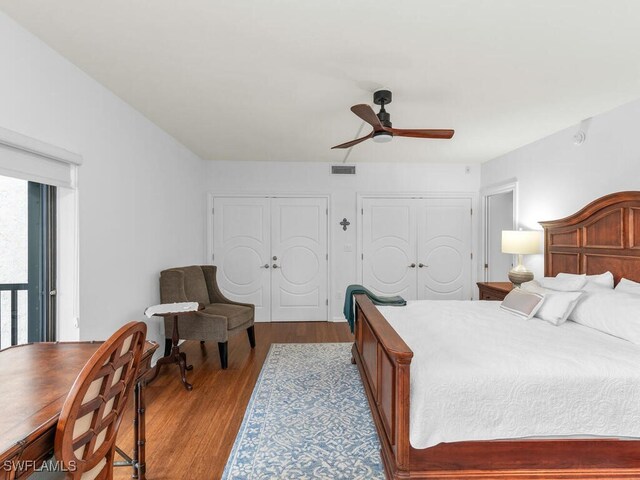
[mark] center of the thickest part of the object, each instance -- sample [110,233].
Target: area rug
[308,418]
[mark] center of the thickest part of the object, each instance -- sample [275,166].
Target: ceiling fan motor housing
[382,98]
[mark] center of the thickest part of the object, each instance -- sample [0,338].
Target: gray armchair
[221,317]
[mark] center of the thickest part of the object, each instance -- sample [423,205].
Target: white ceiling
[274,79]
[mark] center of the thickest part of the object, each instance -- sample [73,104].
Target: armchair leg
[167,346]
[251,333]
[222,347]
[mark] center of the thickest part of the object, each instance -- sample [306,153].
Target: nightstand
[494,290]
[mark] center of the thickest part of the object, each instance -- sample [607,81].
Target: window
[27,262]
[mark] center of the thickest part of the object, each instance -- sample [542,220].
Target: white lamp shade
[521,242]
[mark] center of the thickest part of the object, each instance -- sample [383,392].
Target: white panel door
[389,246]
[241,240]
[444,249]
[299,259]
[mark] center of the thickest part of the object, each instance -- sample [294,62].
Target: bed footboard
[383,359]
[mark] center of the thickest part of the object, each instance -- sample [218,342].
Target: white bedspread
[479,373]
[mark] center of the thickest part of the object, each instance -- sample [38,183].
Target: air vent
[343,169]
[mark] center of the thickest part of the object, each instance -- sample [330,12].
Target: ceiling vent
[343,169]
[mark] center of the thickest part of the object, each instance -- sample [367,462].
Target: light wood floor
[190,434]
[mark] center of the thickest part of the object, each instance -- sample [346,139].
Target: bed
[604,235]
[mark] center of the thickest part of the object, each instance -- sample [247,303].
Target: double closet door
[419,248]
[272,252]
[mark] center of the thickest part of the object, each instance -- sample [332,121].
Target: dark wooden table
[34,382]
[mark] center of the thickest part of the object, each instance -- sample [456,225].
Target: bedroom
[159,111]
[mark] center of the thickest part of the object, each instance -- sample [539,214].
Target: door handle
[275,258]
[275,266]
[422,265]
[266,265]
[413,265]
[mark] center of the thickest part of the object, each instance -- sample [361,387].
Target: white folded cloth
[166,308]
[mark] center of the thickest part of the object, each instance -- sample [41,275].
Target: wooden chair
[91,414]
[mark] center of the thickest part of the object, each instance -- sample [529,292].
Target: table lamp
[520,242]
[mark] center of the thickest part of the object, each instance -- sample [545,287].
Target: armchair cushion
[237,315]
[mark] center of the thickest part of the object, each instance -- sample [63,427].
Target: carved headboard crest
[604,235]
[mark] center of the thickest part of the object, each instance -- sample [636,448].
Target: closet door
[241,239]
[299,259]
[444,249]
[389,246]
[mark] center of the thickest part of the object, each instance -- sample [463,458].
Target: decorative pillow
[562,284]
[615,313]
[594,282]
[522,304]
[628,286]
[557,305]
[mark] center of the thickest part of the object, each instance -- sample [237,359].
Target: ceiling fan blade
[421,133]
[353,142]
[366,113]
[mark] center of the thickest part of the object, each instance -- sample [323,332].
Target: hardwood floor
[190,434]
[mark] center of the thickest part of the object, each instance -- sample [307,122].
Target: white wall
[556,177]
[314,178]
[141,197]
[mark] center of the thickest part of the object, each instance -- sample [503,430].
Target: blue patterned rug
[308,418]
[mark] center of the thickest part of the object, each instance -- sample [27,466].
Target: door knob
[422,265]
[413,265]
[275,258]
[275,266]
[266,265]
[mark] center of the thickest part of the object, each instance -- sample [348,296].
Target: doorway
[273,252]
[499,215]
[419,248]
[27,262]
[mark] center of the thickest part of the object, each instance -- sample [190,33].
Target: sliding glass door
[27,262]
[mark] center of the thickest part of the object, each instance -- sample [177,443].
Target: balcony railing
[14,288]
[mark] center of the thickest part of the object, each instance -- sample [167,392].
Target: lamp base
[519,277]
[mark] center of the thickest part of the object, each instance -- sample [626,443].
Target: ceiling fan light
[382,137]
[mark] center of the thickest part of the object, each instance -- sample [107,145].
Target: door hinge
[486,265]
[213,256]
[327,256]
[213,211]
[362,256]
[472,211]
[326,210]
[362,211]
[471,255]
[326,302]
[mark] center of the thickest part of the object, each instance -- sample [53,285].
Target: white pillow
[557,305]
[563,284]
[522,304]
[628,286]
[594,282]
[611,312]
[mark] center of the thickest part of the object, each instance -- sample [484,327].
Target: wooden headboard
[604,235]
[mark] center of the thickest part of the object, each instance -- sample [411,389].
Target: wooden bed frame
[604,235]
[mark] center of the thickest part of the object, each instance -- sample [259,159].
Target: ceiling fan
[381,123]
